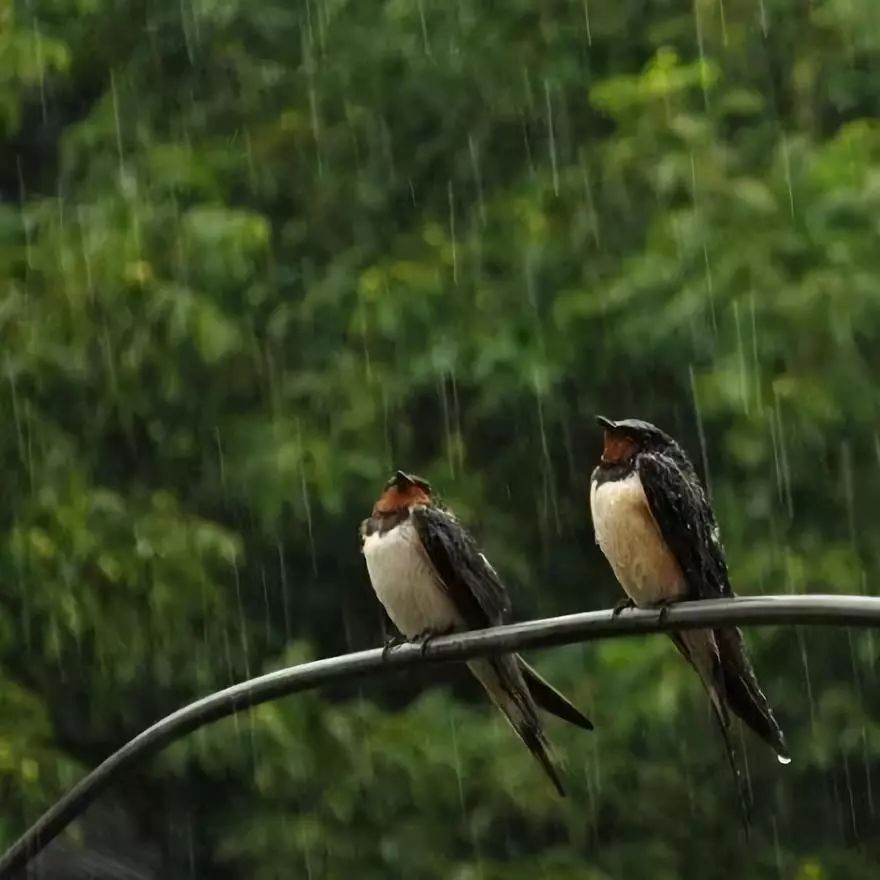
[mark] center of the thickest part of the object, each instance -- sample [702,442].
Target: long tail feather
[744,695]
[551,700]
[738,781]
[699,649]
[503,681]
[537,744]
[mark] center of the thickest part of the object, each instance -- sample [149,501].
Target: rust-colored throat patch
[619,448]
[396,498]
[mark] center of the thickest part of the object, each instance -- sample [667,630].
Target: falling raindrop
[743,372]
[451,199]
[786,163]
[473,152]
[457,759]
[285,589]
[698,24]
[701,434]
[424,25]
[117,125]
[805,665]
[551,135]
[756,364]
[587,23]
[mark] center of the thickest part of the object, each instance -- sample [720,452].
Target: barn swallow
[432,579]
[655,526]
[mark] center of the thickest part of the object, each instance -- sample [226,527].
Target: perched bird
[656,528]
[432,579]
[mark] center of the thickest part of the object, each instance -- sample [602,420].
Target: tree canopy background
[256,254]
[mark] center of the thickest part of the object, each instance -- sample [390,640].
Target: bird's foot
[390,643]
[426,636]
[622,605]
[422,639]
[663,607]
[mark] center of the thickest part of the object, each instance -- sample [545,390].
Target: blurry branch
[817,610]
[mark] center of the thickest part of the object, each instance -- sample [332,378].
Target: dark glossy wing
[688,526]
[686,522]
[477,592]
[472,584]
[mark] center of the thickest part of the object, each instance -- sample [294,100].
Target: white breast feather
[406,583]
[631,541]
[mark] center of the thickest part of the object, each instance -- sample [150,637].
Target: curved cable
[815,610]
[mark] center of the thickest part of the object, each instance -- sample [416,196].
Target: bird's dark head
[402,491]
[626,438]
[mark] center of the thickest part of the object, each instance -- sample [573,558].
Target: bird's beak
[607,424]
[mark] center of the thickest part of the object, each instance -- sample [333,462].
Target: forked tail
[503,681]
[699,649]
[744,695]
[551,700]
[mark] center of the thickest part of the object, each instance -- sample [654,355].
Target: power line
[826,610]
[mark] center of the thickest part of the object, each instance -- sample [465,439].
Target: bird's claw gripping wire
[622,605]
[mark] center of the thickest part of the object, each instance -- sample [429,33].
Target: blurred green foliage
[254,255]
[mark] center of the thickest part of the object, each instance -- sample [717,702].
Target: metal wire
[815,610]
